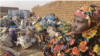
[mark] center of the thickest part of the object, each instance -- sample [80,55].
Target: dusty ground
[34,49]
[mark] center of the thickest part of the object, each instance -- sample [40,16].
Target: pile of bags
[6,42]
[8,21]
[53,26]
[6,51]
[12,34]
[26,38]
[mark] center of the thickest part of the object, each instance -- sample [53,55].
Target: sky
[23,4]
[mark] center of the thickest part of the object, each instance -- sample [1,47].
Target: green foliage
[66,27]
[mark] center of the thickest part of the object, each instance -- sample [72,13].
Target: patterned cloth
[85,44]
[7,53]
[25,41]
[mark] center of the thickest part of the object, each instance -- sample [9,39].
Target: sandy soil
[35,50]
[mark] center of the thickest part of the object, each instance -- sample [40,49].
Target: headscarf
[92,14]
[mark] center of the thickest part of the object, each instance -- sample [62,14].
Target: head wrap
[92,14]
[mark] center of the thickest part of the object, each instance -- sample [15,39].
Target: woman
[84,40]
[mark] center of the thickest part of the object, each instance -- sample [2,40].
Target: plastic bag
[6,39]
[25,42]
[6,51]
[33,40]
[38,27]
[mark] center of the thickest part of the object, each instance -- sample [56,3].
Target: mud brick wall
[64,10]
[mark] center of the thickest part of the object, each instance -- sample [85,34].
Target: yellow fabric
[31,55]
[4,29]
[38,27]
[1,51]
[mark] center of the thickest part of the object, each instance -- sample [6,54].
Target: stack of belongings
[6,51]
[45,19]
[29,21]
[7,21]
[37,25]
[26,37]
[24,40]
[5,38]
[2,30]
[52,29]
[6,43]
[16,20]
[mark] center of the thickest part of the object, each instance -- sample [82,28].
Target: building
[5,9]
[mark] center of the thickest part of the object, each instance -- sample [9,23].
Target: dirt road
[34,49]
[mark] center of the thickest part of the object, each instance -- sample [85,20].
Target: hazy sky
[23,4]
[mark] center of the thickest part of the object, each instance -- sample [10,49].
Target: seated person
[84,40]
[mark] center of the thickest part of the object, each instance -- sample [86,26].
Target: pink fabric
[80,14]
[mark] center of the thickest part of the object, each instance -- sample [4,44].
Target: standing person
[84,40]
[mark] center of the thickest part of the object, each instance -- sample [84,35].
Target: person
[13,32]
[84,40]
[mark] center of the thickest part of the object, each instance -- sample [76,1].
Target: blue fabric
[15,26]
[9,15]
[51,19]
[45,19]
[42,21]
[10,26]
[10,53]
